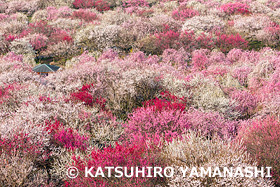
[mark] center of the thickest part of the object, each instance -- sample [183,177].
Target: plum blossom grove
[143,83]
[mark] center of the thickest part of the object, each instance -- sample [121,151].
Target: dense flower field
[142,83]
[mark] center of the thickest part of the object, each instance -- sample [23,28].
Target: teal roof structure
[45,68]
